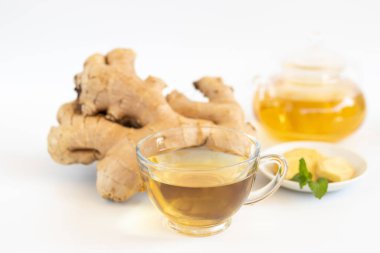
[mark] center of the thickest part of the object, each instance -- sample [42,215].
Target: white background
[47,207]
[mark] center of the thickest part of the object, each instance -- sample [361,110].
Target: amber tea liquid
[295,111]
[195,193]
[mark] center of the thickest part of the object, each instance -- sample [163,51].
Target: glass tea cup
[198,177]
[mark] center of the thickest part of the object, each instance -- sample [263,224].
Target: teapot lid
[315,61]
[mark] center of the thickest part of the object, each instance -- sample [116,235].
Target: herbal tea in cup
[199,177]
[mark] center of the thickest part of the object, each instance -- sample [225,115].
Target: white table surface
[48,207]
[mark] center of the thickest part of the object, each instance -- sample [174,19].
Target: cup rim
[166,166]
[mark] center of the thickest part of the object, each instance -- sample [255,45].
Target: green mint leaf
[296,177]
[303,176]
[300,179]
[303,169]
[319,188]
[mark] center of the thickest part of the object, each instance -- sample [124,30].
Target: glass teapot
[312,97]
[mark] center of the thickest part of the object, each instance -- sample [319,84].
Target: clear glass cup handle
[274,184]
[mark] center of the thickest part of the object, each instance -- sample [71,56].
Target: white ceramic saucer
[327,149]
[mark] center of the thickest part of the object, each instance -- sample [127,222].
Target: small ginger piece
[335,169]
[311,157]
[293,165]
[115,108]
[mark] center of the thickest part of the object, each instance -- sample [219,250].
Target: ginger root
[115,109]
